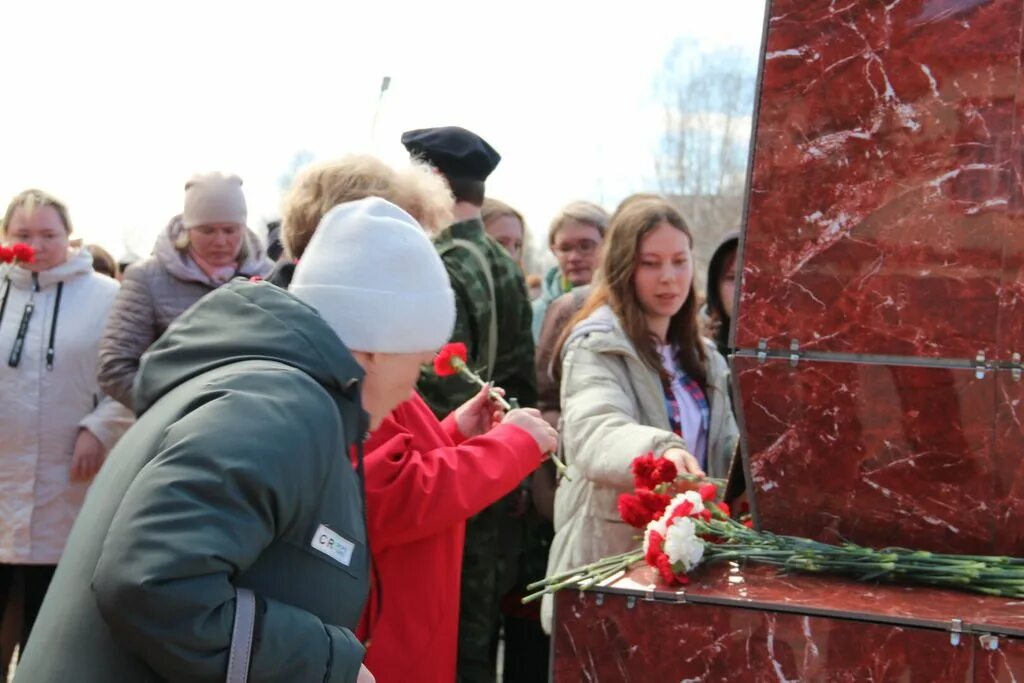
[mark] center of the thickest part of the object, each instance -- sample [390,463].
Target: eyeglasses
[584,247]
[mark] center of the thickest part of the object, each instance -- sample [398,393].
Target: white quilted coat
[42,409]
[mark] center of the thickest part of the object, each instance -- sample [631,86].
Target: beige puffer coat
[613,410]
[155,291]
[43,408]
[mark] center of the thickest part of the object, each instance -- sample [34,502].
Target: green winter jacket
[235,475]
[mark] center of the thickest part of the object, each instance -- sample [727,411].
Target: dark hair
[716,308]
[102,262]
[615,288]
[467,190]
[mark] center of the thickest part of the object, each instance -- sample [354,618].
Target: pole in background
[385,83]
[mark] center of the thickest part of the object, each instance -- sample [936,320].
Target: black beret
[456,152]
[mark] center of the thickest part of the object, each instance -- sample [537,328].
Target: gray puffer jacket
[154,292]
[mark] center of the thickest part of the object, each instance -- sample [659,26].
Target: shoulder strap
[241,636]
[485,266]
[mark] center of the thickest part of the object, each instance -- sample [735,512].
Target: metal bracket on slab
[794,352]
[675,597]
[630,601]
[989,641]
[956,627]
[599,599]
[762,351]
[979,365]
[1017,367]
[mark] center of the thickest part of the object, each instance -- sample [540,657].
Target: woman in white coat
[55,424]
[637,377]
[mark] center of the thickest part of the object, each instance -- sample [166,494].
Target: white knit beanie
[214,198]
[375,277]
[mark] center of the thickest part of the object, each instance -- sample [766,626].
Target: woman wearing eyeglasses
[575,239]
[200,250]
[56,424]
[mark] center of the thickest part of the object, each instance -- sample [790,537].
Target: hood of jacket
[243,321]
[178,263]
[79,263]
[605,333]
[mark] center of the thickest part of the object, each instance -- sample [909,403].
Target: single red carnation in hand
[23,253]
[6,255]
[443,365]
[707,491]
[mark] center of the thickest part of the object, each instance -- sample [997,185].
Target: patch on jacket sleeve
[333,544]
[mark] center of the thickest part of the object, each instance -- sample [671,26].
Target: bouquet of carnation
[684,528]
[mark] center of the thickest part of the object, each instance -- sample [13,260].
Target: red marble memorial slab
[769,588]
[885,455]
[1008,461]
[1004,664]
[884,171]
[664,642]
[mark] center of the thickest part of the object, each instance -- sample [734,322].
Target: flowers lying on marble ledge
[452,360]
[684,528]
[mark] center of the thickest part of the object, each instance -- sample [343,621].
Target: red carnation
[640,509]
[682,510]
[654,502]
[654,549]
[707,491]
[23,253]
[633,511]
[664,568]
[449,358]
[644,468]
[705,514]
[6,254]
[724,509]
[749,523]
[665,471]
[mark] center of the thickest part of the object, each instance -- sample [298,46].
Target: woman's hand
[87,457]
[479,414]
[530,421]
[685,462]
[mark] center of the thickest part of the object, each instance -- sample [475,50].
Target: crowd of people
[220,466]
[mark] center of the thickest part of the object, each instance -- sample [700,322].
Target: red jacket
[423,481]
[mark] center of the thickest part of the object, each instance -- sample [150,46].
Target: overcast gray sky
[112,105]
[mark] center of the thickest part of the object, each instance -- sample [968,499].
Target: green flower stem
[471,376]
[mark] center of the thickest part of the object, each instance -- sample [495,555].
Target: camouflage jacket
[514,364]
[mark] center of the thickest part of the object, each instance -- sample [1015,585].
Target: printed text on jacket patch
[333,545]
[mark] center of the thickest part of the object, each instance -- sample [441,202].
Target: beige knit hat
[214,198]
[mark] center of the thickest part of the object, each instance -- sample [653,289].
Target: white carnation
[682,545]
[690,496]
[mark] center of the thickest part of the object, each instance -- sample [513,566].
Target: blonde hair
[493,209]
[416,189]
[30,200]
[587,213]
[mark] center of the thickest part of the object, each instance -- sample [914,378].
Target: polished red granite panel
[883,455]
[766,587]
[663,642]
[883,180]
[1004,664]
[1008,460]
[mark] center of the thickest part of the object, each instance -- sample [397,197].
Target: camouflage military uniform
[513,371]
